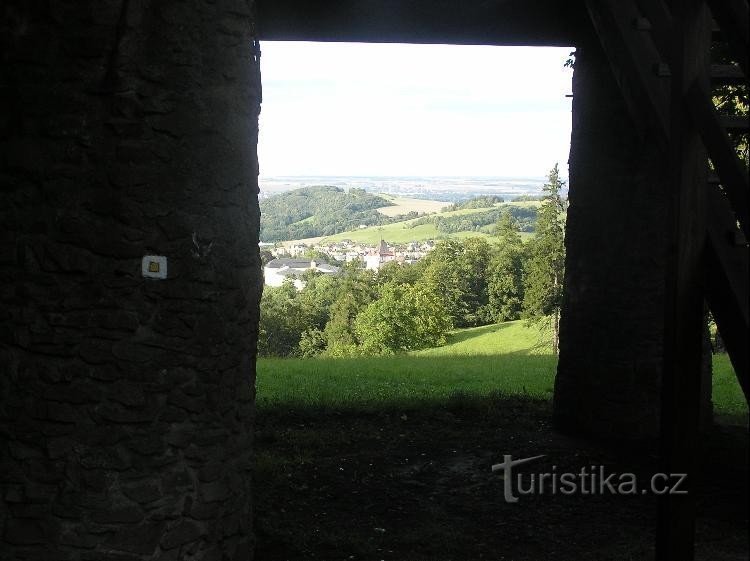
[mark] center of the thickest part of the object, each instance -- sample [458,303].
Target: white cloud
[365,109]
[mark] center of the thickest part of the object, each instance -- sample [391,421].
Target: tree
[403,318]
[316,299]
[545,267]
[266,257]
[281,324]
[312,343]
[505,285]
[320,257]
[400,273]
[355,291]
[339,331]
[457,271]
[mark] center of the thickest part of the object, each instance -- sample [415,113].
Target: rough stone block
[126,514]
[214,491]
[142,538]
[143,492]
[24,532]
[182,533]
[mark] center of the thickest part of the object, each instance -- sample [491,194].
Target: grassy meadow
[404,205]
[509,359]
[403,232]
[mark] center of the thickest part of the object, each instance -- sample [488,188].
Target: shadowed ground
[416,484]
[389,458]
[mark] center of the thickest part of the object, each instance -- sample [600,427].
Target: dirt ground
[417,485]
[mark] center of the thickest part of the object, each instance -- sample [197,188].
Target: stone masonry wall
[128,128]
[609,372]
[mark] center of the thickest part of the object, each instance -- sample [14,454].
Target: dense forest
[318,211]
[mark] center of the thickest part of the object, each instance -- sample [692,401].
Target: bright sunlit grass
[509,358]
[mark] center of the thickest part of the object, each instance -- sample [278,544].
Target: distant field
[405,205]
[399,232]
[508,358]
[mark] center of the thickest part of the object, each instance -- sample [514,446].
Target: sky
[354,109]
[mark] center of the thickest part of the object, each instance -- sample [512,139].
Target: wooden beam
[684,294]
[727,291]
[727,74]
[633,56]
[472,22]
[729,167]
[660,19]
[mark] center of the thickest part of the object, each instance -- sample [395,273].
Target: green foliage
[339,331]
[457,271]
[478,221]
[545,267]
[403,318]
[354,292]
[316,299]
[312,343]
[318,211]
[468,282]
[526,198]
[281,324]
[400,274]
[320,257]
[731,99]
[570,62]
[506,272]
[483,201]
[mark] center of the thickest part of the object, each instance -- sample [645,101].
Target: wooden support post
[683,325]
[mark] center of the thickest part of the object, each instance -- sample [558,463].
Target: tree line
[460,283]
[481,221]
[318,211]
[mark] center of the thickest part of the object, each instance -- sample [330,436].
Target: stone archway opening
[127,401]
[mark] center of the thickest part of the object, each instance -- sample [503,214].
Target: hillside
[405,205]
[463,223]
[509,358]
[318,211]
[331,214]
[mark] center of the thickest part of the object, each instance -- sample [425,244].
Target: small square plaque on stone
[154,267]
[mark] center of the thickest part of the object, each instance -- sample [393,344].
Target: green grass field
[404,205]
[509,359]
[396,233]
[400,232]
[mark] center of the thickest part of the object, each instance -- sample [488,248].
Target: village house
[279,270]
[376,258]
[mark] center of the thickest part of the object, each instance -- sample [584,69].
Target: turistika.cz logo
[590,480]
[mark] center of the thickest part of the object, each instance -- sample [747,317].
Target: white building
[278,270]
[376,258]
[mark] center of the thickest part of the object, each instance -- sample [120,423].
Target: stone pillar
[128,128]
[608,378]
